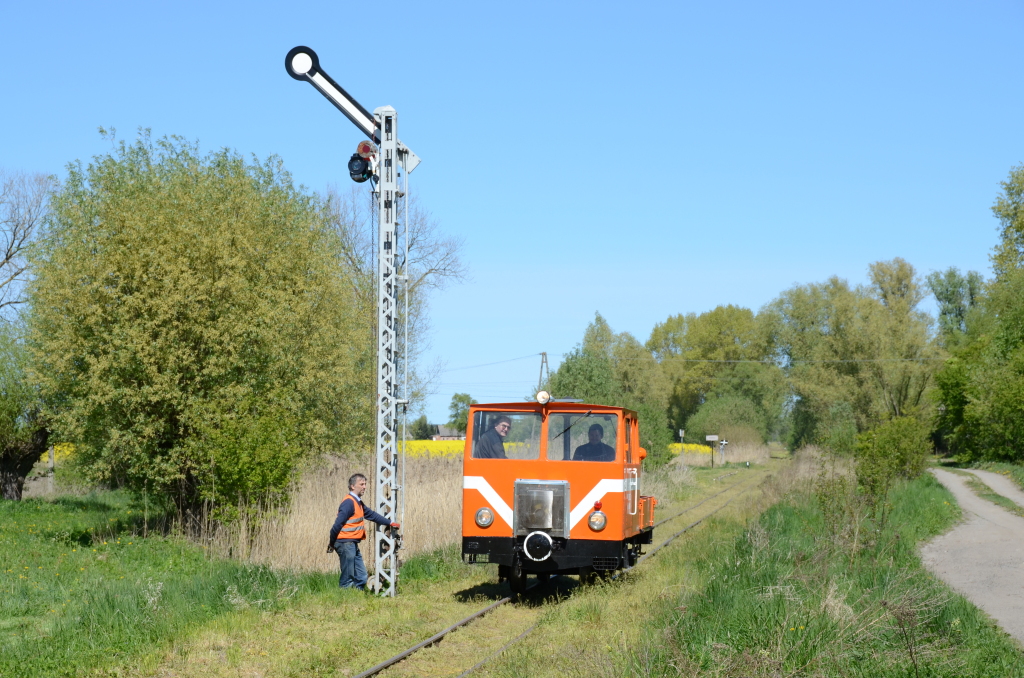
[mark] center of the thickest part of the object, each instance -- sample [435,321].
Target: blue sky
[639,159]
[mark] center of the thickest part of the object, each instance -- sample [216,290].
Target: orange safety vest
[353,527]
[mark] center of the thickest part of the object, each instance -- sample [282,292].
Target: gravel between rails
[982,557]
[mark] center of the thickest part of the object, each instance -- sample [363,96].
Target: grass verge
[794,596]
[1011,471]
[985,492]
[80,590]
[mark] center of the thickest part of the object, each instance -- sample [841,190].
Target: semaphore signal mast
[378,160]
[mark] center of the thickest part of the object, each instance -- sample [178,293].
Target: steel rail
[441,634]
[431,640]
[707,499]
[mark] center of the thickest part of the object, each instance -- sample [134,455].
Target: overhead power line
[510,360]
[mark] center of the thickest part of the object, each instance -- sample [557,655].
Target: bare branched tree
[22,210]
[434,263]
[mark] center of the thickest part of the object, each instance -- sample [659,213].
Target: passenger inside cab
[492,443]
[506,435]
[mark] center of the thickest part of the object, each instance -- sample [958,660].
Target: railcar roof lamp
[543,397]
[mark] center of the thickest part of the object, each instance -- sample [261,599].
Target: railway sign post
[712,439]
[381,164]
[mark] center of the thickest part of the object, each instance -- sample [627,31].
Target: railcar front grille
[604,563]
[541,505]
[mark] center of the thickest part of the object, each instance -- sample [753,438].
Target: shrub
[898,448]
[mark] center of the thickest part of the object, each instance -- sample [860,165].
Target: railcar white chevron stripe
[480,484]
[602,488]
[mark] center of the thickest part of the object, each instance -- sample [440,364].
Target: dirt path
[1000,484]
[982,557]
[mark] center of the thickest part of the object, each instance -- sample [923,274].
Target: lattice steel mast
[381,164]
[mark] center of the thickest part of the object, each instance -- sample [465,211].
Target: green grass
[1012,471]
[80,589]
[986,493]
[789,597]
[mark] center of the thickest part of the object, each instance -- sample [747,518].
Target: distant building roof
[448,433]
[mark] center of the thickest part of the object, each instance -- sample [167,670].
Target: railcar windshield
[506,435]
[582,436]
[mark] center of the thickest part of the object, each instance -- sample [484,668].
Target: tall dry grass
[296,536]
[668,483]
[738,453]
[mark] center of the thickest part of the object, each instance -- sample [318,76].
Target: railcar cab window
[506,435]
[582,436]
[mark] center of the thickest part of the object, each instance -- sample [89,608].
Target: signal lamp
[359,168]
[597,521]
[366,149]
[484,517]
[598,505]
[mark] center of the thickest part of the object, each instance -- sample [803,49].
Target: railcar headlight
[597,521]
[484,517]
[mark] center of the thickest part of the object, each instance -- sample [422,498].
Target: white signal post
[392,336]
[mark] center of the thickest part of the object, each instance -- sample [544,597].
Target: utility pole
[378,161]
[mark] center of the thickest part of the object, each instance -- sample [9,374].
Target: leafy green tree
[587,376]
[870,347]
[727,351]
[458,411]
[981,388]
[194,327]
[616,369]
[984,386]
[837,430]
[1009,209]
[958,296]
[421,430]
[731,417]
[23,434]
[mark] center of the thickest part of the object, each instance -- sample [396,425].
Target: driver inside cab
[595,450]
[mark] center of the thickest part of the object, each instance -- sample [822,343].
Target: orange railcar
[553,488]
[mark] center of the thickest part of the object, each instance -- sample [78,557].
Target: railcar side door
[631,481]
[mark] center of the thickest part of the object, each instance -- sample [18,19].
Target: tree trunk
[17,460]
[12,478]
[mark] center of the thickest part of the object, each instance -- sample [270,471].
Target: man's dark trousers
[353,571]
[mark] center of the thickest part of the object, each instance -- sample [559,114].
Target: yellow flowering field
[434,448]
[688,448]
[61,453]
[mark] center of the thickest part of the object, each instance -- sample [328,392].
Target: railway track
[391,661]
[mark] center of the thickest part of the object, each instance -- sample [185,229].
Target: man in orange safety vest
[348,531]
